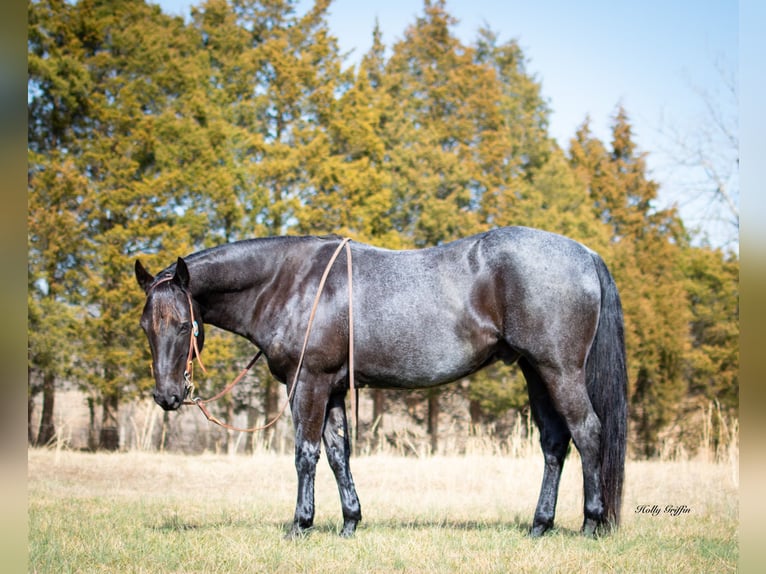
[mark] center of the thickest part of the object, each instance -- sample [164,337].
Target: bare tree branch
[703,156]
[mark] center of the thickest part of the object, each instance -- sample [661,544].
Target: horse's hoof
[539,529]
[349,529]
[297,533]
[590,528]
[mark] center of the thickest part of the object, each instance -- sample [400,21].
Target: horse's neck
[232,281]
[226,281]
[228,268]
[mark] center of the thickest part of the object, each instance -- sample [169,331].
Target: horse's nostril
[167,402]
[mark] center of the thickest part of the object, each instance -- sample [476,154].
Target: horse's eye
[184,327]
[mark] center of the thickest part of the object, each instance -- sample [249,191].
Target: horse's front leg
[308,408]
[338,449]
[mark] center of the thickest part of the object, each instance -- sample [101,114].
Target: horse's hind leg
[337,446]
[569,396]
[554,441]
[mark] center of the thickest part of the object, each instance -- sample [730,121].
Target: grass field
[142,512]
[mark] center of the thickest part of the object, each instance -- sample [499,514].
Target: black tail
[607,378]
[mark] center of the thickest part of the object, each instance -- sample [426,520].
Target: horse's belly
[411,364]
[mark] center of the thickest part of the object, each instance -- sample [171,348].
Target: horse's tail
[607,381]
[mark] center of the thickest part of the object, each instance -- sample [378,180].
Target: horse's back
[437,314]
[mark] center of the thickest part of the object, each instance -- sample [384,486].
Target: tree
[351,187]
[713,295]
[519,143]
[437,137]
[58,107]
[703,160]
[645,258]
[440,138]
[101,103]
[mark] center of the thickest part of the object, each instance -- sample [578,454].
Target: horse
[421,318]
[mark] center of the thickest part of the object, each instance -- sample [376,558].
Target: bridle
[194,350]
[193,347]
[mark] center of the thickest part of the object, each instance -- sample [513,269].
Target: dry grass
[143,512]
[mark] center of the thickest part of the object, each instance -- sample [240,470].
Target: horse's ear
[182,273]
[143,277]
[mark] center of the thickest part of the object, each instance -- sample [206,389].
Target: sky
[654,57]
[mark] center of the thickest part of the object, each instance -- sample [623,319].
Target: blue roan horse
[421,318]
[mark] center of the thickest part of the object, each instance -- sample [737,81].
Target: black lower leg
[554,441]
[338,450]
[306,457]
[587,438]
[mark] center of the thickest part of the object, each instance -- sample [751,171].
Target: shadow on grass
[518,526]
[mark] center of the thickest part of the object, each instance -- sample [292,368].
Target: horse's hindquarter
[431,316]
[552,295]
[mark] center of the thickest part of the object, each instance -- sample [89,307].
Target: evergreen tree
[645,259]
[350,181]
[520,144]
[102,79]
[713,295]
[439,138]
[138,108]
[55,254]
[58,89]
[444,98]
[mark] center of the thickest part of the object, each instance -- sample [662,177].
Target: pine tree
[713,295]
[520,144]
[58,89]
[55,244]
[104,80]
[350,180]
[445,99]
[645,258]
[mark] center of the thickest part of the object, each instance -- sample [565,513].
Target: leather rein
[194,351]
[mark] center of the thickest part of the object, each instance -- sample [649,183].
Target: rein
[193,350]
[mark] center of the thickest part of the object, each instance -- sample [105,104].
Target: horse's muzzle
[170,401]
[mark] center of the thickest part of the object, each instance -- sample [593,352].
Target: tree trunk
[231,443]
[109,438]
[474,409]
[433,420]
[252,420]
[271,409]
[92,435]
[378,408]
[31,394]
[163,439]
[30,412]
[47,428]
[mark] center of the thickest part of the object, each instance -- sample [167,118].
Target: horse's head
[173,325]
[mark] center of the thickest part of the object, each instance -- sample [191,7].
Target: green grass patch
[136,512]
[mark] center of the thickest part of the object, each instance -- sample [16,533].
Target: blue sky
[654,57]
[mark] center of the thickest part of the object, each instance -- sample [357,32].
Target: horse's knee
[306,457]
